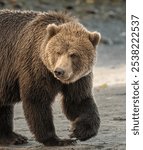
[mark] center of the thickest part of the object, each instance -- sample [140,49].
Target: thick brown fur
[28,54]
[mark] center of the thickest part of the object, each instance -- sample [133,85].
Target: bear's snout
[59,72]
[63,68]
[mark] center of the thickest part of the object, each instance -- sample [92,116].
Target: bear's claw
[19,139]
[82,137]
[83,131]
[13,139]
[60,142]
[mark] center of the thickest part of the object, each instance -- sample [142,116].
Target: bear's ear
[52,29]
[94,37]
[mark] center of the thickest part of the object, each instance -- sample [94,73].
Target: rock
[119,119]
[17,6]
[92,11]
[90,1]
[69,7]
[123,34]
[106,41]
[111,14]
[2,3]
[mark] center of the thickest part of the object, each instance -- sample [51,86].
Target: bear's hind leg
[7,136]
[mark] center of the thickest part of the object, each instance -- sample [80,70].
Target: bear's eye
[58,53]
[73,56]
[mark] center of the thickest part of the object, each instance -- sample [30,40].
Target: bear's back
[11,23]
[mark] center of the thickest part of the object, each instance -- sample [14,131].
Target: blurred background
[106,16]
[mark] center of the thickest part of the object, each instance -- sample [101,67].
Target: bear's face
[70,51]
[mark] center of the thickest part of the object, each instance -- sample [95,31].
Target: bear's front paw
[59,142]
[13,139]
[84,129]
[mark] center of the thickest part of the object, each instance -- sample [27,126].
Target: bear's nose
[59,72]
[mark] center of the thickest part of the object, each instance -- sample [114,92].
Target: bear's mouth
[64,79]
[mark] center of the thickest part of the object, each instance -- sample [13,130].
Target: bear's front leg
[38,113]
[80,108]
[86,125]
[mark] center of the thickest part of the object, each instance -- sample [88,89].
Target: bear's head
[69,51]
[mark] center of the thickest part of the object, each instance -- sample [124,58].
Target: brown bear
[43,54]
